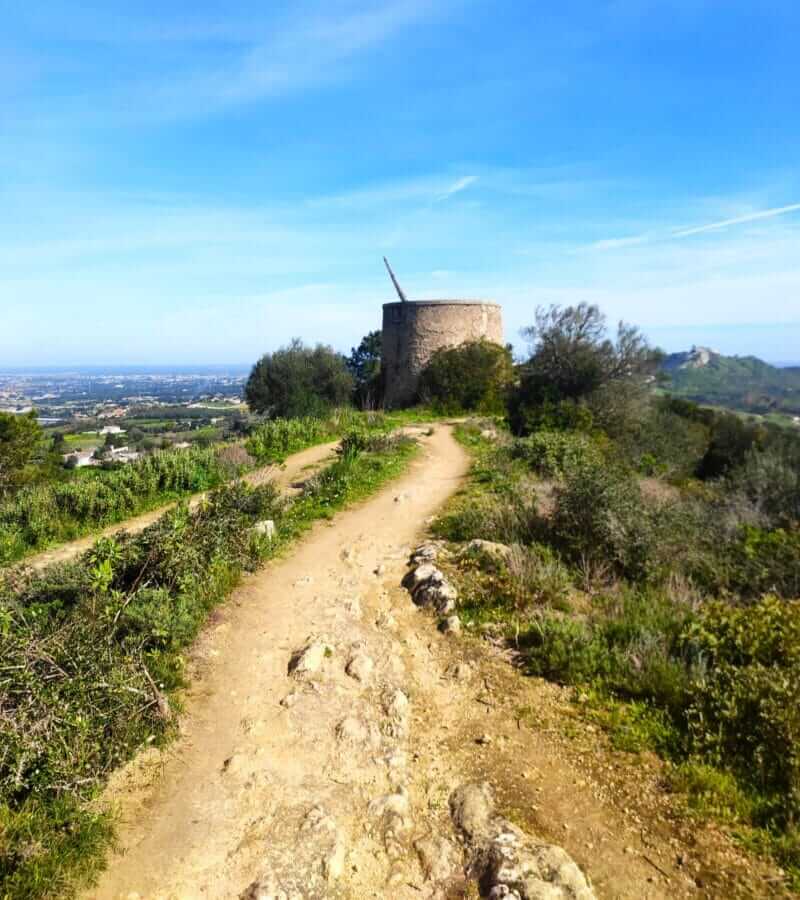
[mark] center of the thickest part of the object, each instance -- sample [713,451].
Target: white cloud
[738,220]
[313,47]
[676,234]
[457,186]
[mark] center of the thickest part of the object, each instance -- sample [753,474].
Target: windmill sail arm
[400,293]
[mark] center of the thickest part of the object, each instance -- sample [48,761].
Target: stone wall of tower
[414,331]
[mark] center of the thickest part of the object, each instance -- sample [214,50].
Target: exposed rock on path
[327,729]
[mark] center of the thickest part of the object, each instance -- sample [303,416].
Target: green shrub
[54,511]
[629,645]
[762,561]
[744,708]
[90,650]
[600,516]
[474,376]
[538,577]
[770,480]
[297,380]
[551,453]
[275,439]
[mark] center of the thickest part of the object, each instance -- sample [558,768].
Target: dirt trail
[333,781]
[283,475]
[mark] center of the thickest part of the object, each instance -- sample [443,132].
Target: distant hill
[740,382]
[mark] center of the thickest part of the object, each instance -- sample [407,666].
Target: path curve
[282,474]
[333,780]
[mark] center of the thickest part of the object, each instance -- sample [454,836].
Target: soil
[318,773]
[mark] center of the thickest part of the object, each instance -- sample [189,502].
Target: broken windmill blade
[400,293]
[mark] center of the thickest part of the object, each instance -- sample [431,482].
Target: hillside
[740,382]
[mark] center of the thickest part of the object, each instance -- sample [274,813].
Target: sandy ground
[331,782]
[283,475]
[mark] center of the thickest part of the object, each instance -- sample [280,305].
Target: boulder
[505,861]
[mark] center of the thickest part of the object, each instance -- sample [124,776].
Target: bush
[551,453]
[744,708]
[573,358]
[770,480]
[474,376]
[299,381]
[600,516]
[71,714]
[274,440]
[538,577]
[54,511]
[761,560]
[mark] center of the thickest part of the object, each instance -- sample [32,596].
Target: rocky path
[335,744]
[283,475]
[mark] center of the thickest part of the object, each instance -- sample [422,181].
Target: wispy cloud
[457,186]
[652,237]
[314,47]
[738,220]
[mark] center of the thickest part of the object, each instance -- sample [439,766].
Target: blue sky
[195,182]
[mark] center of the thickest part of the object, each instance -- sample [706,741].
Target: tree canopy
[20,437]
[298,381]
[364,364]
[572,359]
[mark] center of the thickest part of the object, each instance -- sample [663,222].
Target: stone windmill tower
[413,330]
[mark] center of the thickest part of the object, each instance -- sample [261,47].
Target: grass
[71,714]
[712,687]
[51,513]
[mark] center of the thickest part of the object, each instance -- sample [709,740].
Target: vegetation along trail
[295,466]
[333,741]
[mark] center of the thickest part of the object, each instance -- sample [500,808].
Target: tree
[473,376]
[364,364]
[298,381]
[572,359]
[20,439]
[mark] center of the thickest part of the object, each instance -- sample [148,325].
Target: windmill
[400,293]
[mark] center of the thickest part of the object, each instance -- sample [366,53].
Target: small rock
[472,808]
[437,857]
[489,548]
[290,699]
[386,622]
[422,574]
[396,705]
[451,625]
[309,658]
[355,732]
[380,570]
[461,671]
[360,667]
[266,527]
[393,813]
[427,552]
[397,760]
[484,739]
[352,605]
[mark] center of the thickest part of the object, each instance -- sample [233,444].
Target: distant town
[111,417]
